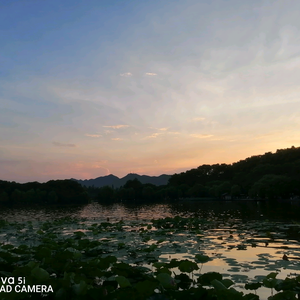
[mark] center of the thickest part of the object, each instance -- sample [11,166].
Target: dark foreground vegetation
[123,261]
[268,176]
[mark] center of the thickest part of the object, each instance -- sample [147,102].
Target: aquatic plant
[122,260]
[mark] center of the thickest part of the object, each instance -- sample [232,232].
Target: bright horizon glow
[94,88]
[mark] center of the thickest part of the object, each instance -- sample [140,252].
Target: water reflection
[221,210]
[235,223]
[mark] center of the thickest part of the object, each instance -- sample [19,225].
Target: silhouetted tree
[105,193]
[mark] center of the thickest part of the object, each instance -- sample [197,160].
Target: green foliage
[271,186]
[166,281]
[198,190]
[201,258]
[4,198]
[82,266]
[52,197]
[17,196]
[148,192]
[105,193]
[286,295]
[207,278]
[187,266]
[235,190]
[40,274]
[253,286]
[123,281]
[146,288]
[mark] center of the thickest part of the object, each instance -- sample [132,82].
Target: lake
[245,210]
[245,240]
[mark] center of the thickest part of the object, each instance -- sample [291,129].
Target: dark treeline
[268,176]
[133,190]
[51,192]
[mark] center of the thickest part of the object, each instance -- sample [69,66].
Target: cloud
[116,126]
[153,135]
[198,119]
[108,131]
[93,135]
[117,139]
[150,74]
[201,136]
[163,129]
[163,132]
[98,165]
[128,74]
[58,144]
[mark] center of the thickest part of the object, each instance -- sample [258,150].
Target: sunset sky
[90,88]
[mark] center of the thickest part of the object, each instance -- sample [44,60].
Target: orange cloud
[93,135]
[201,136]
[116,126]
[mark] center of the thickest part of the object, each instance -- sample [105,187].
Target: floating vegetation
[161,259]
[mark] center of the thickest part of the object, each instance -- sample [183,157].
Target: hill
[116,182]
[271,175]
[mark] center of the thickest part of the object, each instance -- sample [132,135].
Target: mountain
[99,181]
[117,182]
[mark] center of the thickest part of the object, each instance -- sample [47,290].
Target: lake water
[244,210]
[272,228]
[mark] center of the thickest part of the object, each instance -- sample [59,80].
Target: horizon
[94,178]
[130,173]
[91,89]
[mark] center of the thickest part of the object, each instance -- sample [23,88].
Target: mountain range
[116,182]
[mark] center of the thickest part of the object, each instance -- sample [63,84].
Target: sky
[91,88]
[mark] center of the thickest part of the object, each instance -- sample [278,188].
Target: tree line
[267,176]
[51,192]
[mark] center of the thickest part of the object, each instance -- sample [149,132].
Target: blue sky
[89,88]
